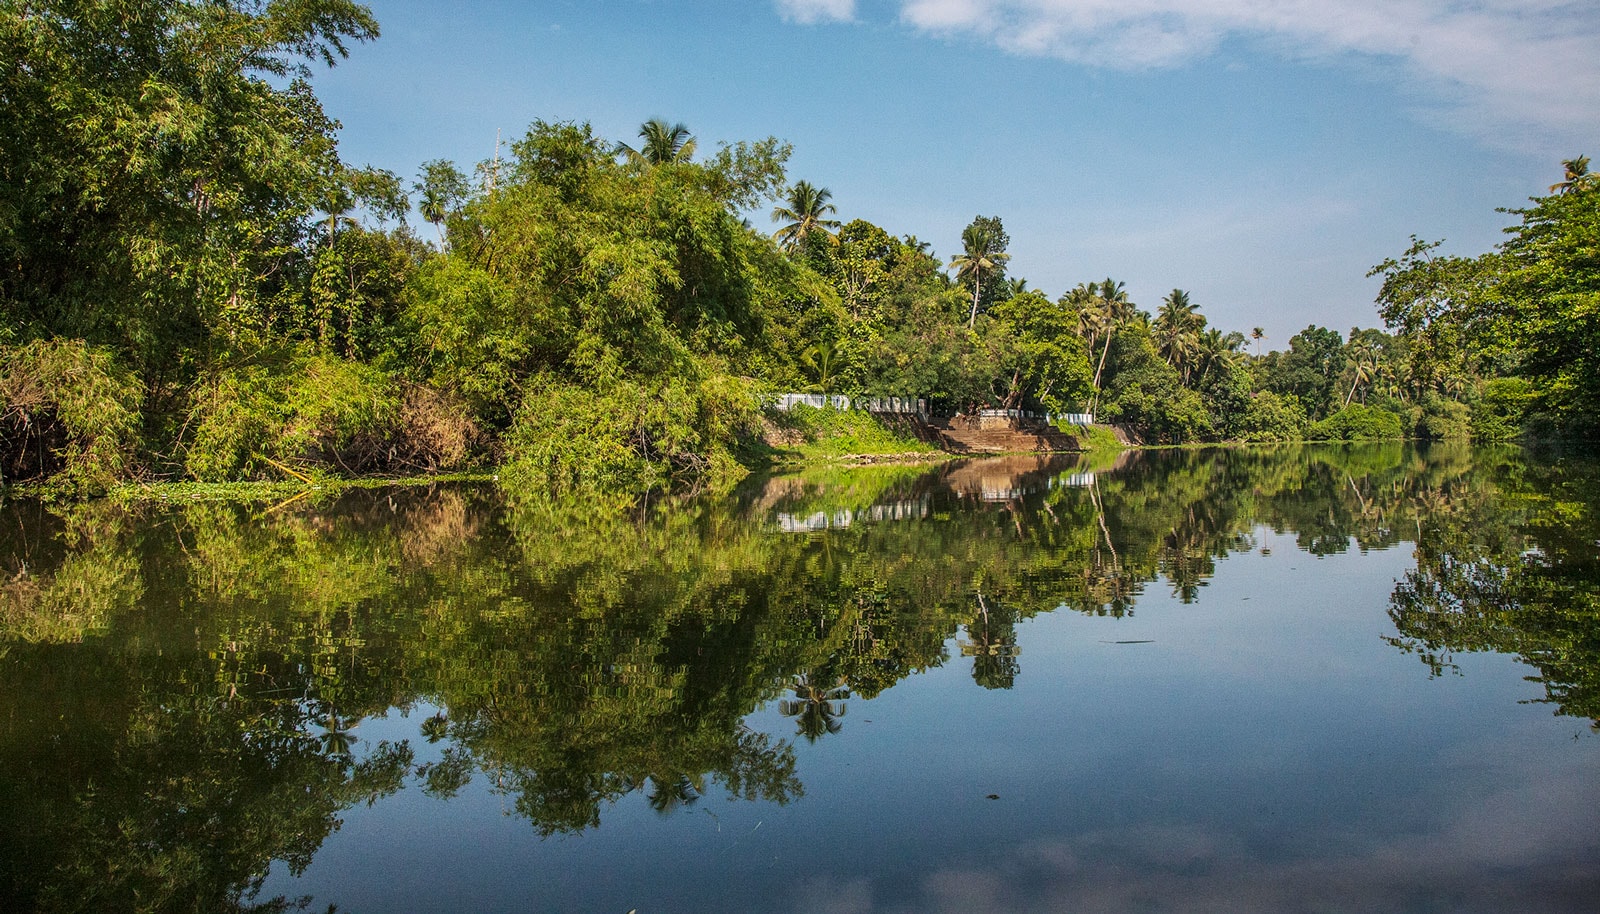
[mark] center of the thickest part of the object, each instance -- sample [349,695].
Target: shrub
[1501,409]
[1271,417]
[633,436]
[303,409]
[436,433]
[1358,422]
[68,414]
[1162,414]
[1437,418]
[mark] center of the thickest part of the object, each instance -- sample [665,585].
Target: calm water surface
[1298,679]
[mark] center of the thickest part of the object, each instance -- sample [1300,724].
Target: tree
[157,163]
[1177,331]
[443,188]
[1111,308]
[1362,366]
[823,358]
[1309,370]
[1577,175]
[1215,352]
[662,144]
[1258,334]
[806,212]
[1036,354]
[1542,303]
[818,704]
[983,255]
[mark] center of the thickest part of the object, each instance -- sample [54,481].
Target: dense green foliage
[175,216]
[1513,333]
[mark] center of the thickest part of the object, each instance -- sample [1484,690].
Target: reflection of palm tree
[816,707]
[1106,583]
[436,727]
[337,737]
[669,793]
[991,642]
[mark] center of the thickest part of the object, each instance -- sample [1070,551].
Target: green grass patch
[1095,438]
[807,435]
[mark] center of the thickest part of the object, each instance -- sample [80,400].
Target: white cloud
[813,11]
[1498,64]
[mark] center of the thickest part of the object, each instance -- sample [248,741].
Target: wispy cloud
[1524,847]
[813,11]
[1495,64]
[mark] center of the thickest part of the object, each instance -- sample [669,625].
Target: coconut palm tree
[1577,175]
[806,212]
[663,143]
[982,253]
[1114,311]
[1177,331]
[1258,334]
[1214,351]
[1083,303]
[432,207]
[337,204]
[1362,367]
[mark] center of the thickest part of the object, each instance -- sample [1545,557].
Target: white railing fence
[912,406]
[786,402]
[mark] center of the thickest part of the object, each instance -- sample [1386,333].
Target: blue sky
[1261,154]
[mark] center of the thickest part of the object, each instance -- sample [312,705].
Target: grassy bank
[805,435]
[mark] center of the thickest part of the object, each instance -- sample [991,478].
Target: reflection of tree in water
[671,792]
[220,658]
[130,788]
[817,705]
[991,642]
[1107,587]
[1514,571]
[338,736]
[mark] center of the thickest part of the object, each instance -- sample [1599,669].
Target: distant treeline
[194,285]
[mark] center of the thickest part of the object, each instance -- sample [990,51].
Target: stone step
[1000,441]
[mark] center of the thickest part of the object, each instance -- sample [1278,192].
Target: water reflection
[187,686]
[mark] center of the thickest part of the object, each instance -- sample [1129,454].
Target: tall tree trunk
[1095,403]
[977,288]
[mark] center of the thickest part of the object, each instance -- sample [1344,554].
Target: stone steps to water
[1025,440]
[965,436]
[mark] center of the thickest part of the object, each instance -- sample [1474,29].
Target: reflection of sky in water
[1266,750]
